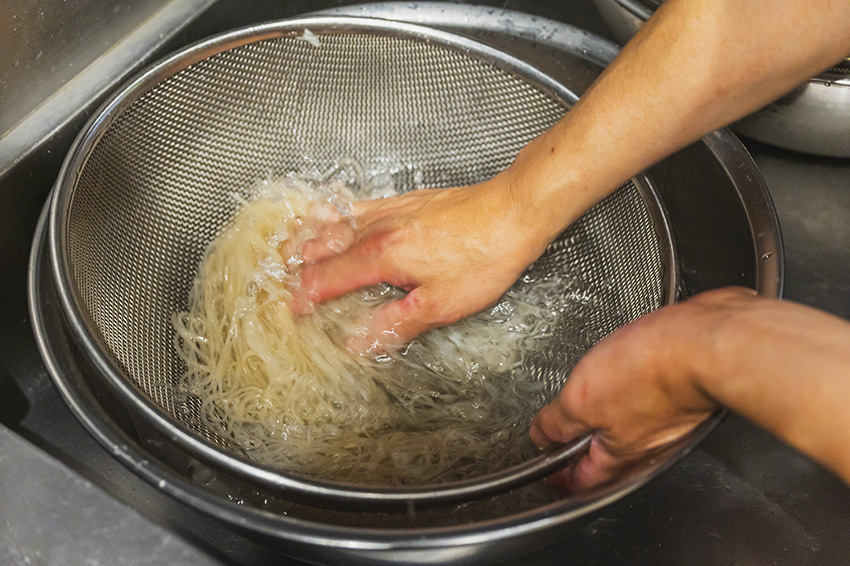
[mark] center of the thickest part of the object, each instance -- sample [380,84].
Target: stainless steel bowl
[726,233]
[813,118]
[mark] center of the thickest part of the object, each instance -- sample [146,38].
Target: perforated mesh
[158,186]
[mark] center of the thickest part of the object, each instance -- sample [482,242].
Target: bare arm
[696,66]
[784,366]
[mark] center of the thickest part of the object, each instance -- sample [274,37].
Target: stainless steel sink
[731,500]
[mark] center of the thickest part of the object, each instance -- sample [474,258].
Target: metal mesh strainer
[149,185]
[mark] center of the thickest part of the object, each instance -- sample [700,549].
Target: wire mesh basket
[150,183]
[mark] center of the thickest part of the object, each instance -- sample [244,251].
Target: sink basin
[730,483]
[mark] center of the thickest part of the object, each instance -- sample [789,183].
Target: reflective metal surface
[132,216]
[57,57]
[742,497]
[481,531]
[730,182]
[813,118]
[70,520]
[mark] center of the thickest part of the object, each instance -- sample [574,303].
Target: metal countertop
[742,497]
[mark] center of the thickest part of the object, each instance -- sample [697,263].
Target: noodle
[454,403]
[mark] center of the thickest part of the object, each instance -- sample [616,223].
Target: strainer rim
[294,528]
[80,323]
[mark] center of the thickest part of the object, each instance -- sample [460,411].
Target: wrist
[699,346]
[721,328]
[538,189]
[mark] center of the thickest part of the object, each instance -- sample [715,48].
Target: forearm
[786,367]
[697,65]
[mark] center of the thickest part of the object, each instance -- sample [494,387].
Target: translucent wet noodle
[453,404]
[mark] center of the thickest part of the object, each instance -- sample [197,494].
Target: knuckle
[438,312]
[575,395]
[380,244]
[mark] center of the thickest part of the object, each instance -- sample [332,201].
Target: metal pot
[813,118]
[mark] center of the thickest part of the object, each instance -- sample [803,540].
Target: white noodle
[454,403]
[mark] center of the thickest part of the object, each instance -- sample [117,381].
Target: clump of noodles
[454,403]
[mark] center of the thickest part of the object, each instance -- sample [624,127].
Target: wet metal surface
[742,498]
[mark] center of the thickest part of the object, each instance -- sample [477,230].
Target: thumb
[554,424]
[395,324]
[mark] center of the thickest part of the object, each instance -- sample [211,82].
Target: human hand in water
[454,251]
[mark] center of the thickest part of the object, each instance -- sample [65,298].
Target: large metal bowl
[726,233]
[813,118]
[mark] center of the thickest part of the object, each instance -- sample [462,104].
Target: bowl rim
[296,529]
[81,325]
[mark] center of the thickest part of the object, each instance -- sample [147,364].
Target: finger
[594,468]
[395,324]
[335,276]
[554,424]
[322,212]
[330,240]
[361,207]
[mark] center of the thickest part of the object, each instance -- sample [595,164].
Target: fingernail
[302,305]
[336,245]
[323,212]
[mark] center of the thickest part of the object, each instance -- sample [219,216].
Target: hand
[455,251]
[639,389]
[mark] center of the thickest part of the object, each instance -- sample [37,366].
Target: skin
[697,65]
[784,366]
